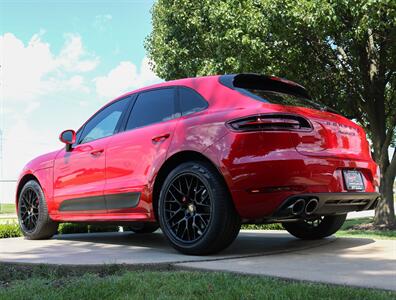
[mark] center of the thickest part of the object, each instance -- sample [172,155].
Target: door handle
[97,153]
[160,138]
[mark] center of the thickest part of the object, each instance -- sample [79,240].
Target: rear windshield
[281,98]
[271,90]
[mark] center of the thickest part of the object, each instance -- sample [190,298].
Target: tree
[343,50]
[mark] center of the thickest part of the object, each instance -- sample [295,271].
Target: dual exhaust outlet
[302,206]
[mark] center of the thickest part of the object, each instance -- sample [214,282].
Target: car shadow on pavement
[130,248]
[248,243]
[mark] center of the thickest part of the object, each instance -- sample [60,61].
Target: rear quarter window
[153,107]
[190,101]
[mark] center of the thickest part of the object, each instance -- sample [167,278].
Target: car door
[79,174]
[134,155]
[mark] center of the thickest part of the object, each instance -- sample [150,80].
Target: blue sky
[60,62]
[114,30]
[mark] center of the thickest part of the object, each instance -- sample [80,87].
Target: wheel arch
[171,163]
[26,178]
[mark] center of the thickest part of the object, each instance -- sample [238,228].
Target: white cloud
[77,82]
[117,81]
[23,142]
[125,77]
[30,75]
[32,70]
[23,68]
[71,57]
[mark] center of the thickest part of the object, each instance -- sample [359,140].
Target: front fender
[40,169]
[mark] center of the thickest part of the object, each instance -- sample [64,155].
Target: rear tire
[195,210]
[33,217]
[315,229]
[142,227]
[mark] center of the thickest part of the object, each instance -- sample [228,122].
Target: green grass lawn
[115,282]
[353,228]
[7,208]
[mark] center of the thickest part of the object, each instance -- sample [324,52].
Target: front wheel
[318,228]
[33,217]
[195,210]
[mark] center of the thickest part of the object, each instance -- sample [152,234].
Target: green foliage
[103,228]
[67,228]
[9,231]
[275,226]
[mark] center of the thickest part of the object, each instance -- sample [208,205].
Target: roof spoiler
[264,82]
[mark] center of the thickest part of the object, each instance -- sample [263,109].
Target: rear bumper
[263,170]
[328,204]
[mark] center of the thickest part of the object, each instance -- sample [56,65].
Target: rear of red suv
[291,160]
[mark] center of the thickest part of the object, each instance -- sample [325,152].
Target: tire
[33,217]
[202,205]
[315,229]
[142,227]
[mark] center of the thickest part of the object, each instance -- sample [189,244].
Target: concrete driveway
[358,262]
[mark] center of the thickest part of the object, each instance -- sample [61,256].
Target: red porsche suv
[198,157]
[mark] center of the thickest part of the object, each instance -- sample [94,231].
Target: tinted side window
[191,101]
[104,122]
[78,136]
[152,107]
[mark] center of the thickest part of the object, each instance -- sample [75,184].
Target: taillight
[270,122]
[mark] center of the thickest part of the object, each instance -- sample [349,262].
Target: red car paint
[261,169]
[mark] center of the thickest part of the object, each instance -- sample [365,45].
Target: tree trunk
[384,213]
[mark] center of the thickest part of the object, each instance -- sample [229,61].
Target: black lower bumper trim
[330,203]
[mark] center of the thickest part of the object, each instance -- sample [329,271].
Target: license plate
[353,180]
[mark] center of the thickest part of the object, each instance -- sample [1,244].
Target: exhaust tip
[311,206]
[298,207]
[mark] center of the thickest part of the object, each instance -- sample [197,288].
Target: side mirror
[69,138]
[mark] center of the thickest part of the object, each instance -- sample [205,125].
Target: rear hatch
[328,134]
[332,135]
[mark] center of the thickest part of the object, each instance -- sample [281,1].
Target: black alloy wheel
[188,208]
[195,210]
[29,209]
[315,228]
[33,216]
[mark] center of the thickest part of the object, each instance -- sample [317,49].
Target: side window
[152,107]
[191,101]
[104,122]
